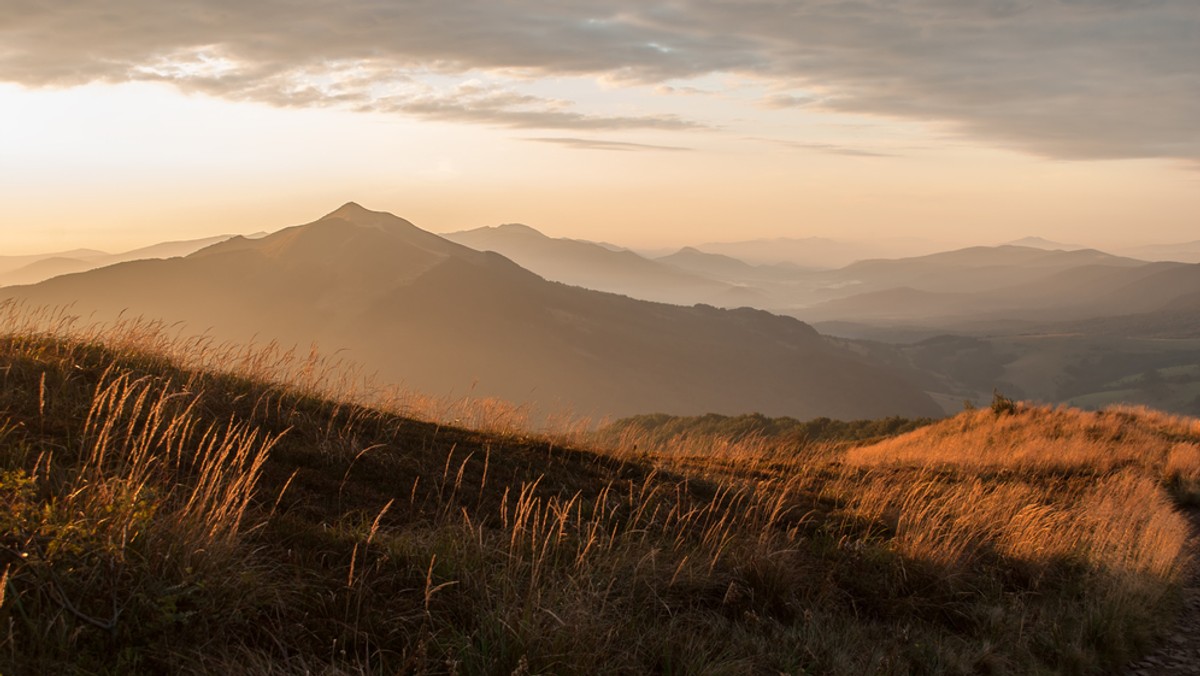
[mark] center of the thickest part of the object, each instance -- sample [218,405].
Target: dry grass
[175,506]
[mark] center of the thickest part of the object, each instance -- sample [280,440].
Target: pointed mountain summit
[442,318]
[351,242]
[356,214]
[352,210]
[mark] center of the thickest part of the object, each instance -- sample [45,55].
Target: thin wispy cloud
[597,144]
[826,148]
[834,149]
[781,101]
[1078,79]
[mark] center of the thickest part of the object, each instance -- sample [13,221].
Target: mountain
[443,318]
[975,281]
[591,265]
[991,258]
[727,268]
[169,249]
[1183,252]
[1043,243]
[900,305]
[45,268]
[35,268]
[816,252]
[1001,283]
[10,263]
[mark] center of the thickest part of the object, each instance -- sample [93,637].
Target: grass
[173,506]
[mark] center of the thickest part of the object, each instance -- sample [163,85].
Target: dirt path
[1180,652]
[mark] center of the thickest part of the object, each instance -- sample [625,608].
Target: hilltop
[162,518]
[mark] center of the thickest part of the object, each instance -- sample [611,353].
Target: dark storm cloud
[1062,78]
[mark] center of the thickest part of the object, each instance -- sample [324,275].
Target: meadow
[172,505]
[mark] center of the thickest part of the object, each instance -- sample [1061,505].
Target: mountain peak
[350,211]
[519,228]
[356,214]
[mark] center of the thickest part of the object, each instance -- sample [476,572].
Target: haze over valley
[439,317]
[689,332]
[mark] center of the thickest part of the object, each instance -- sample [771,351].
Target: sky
[654,124]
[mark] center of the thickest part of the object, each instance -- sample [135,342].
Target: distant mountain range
[1043,243]
[592,265]
[1183,252]
[1039,318]
[818,253]
[1033,279]
[443,318]
[999,283]
[35,268]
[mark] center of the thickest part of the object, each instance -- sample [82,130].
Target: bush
[1002,405]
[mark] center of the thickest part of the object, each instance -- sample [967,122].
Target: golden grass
[1034,439]
[220,508]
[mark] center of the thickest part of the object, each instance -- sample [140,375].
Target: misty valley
[683,333]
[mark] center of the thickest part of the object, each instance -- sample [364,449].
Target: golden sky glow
[169,128]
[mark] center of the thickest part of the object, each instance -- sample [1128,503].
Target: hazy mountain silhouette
[1183,252]
[947,289]
[816,252]
[941,283]
[974,266]
[1178,319]
[991,283]
[45,268]
[728,268]
[592,265]
[35,268]
[1043,243]
[444,318]
[10,263]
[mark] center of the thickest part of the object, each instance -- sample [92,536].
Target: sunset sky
[127,122]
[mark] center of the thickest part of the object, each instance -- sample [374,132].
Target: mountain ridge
[444,318]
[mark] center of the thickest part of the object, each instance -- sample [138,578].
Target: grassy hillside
[249,519]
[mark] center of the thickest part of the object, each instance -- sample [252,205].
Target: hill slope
[159,519]
[442,318]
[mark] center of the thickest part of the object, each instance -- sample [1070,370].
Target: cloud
[1061,78]
[594,144]
[834,149]
[825,148]
[681,90]
[780,101]
[371,86]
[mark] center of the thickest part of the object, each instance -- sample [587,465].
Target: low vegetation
[663,430]
[174,507]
